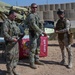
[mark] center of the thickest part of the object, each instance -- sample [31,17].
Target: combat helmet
[59,12]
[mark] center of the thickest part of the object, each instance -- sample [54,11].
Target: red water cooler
[24,46]
[43,46]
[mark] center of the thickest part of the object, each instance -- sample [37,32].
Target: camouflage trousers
[34,48]
[12,56]
[65,44]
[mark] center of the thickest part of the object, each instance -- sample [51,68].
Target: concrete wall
[63,6]
[72,5]
[41,15]
[47,7]
[48,15]
[52,7]
[49,10]
[57,6]
[68,6]
[41,8]
[70,14]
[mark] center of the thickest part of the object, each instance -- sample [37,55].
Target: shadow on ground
[24,62]
[54,63]
[53,44]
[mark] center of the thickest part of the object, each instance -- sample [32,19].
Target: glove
[21,35]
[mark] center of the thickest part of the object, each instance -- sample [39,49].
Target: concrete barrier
[62,6]
[70,14]
[55,15]
[72,5]
[52,7]
[48,15]
[57,6]
[68,6]
[47,7]
[41,8]
[40,15]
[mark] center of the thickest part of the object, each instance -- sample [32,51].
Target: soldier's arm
[5,31]
[55,25]
[41,25]
[68,24]
[34,26]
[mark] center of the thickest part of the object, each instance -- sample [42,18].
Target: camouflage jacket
[33,22]
[10,30]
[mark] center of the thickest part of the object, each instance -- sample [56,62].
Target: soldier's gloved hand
[21,35]
[56,31]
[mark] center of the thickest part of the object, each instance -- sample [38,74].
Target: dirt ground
[52,63]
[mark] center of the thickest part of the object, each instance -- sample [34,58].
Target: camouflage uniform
[11,30]
[35,30]
[63,26]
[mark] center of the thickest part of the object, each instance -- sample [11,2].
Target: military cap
[60,11]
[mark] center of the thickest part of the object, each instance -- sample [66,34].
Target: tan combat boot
[70,66]
[69,58]
[70,62]
[32,65]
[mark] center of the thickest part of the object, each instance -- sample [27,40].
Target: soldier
[11,36]
[63,29]
[35,30]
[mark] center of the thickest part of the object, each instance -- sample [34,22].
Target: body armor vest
[61,24]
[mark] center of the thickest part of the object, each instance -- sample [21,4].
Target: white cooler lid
[26,37]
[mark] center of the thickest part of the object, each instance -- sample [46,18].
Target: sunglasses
[34,7]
